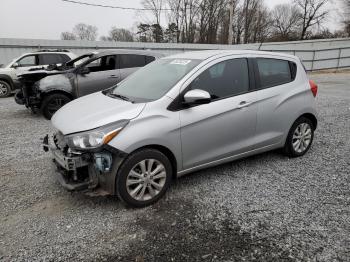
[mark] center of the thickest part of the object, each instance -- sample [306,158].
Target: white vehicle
[26,62]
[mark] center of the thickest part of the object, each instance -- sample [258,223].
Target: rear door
[278,97]
[103,74]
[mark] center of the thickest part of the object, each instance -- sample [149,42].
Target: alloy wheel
[3,90]
[146,179]
[302,137]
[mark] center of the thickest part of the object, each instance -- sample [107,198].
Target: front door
[226,126]
[103,74]
[26,63]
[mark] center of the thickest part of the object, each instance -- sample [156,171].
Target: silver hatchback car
[180,114]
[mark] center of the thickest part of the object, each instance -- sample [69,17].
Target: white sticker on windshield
[180,62]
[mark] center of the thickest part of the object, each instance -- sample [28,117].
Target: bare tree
[156,7]
[347,18]
[313,13]
[68,36]
[211,13]
[232,12]
[121,35]
[85,32]
[250,10]
[285,21]
[174,16]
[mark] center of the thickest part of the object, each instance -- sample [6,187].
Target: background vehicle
[26,62]
[87,74]
[181,114]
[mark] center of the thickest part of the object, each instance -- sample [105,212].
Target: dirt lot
[267,207]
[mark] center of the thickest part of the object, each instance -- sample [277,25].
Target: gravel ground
[266,207]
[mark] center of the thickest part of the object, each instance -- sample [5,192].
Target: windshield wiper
[120,97]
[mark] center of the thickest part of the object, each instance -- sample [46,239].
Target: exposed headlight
[95,138]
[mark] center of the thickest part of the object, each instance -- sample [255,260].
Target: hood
[93,111]
[37,75]
[54,80]
[4,70]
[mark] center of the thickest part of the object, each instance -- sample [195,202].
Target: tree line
[224,22]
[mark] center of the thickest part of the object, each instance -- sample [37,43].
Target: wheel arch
[55,91]
[166,151]
[311,117]
[8,80]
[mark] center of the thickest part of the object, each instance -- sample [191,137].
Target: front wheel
[5,89]
[144,178]
[300,138]
[52,103]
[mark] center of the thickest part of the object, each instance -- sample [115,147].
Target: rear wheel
[300,138]
[144,178]
[52,103]
[5,89]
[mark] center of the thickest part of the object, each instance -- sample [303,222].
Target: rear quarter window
[274,72]
[131,61]
[149,59]
[65,58]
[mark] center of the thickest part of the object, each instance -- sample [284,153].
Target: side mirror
[84,71]
[197,97]
[15,65]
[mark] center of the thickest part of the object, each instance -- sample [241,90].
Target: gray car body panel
[78,85]
[214,133]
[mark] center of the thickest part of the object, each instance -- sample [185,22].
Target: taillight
[313,87]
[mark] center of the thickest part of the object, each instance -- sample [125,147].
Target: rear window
[149,59]
[131,61]
[65,58]
[274,72]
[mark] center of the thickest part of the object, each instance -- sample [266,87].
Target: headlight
[95,138]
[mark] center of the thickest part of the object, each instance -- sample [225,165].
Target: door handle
[244,104]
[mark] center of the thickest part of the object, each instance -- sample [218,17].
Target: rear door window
[131,61]
[273,72]
[49,59]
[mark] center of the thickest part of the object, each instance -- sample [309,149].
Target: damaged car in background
[28,62]
[48,90]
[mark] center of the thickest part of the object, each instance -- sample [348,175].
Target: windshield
[79,60]
[154,80]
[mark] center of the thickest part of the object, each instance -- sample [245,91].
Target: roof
[203,55]
[128,51]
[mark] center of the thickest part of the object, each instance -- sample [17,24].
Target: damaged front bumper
[85,171]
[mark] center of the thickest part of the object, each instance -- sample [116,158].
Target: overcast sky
[46,19]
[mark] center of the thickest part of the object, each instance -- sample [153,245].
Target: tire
[52,103]
[300,138]
[131,172]
[5,89]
